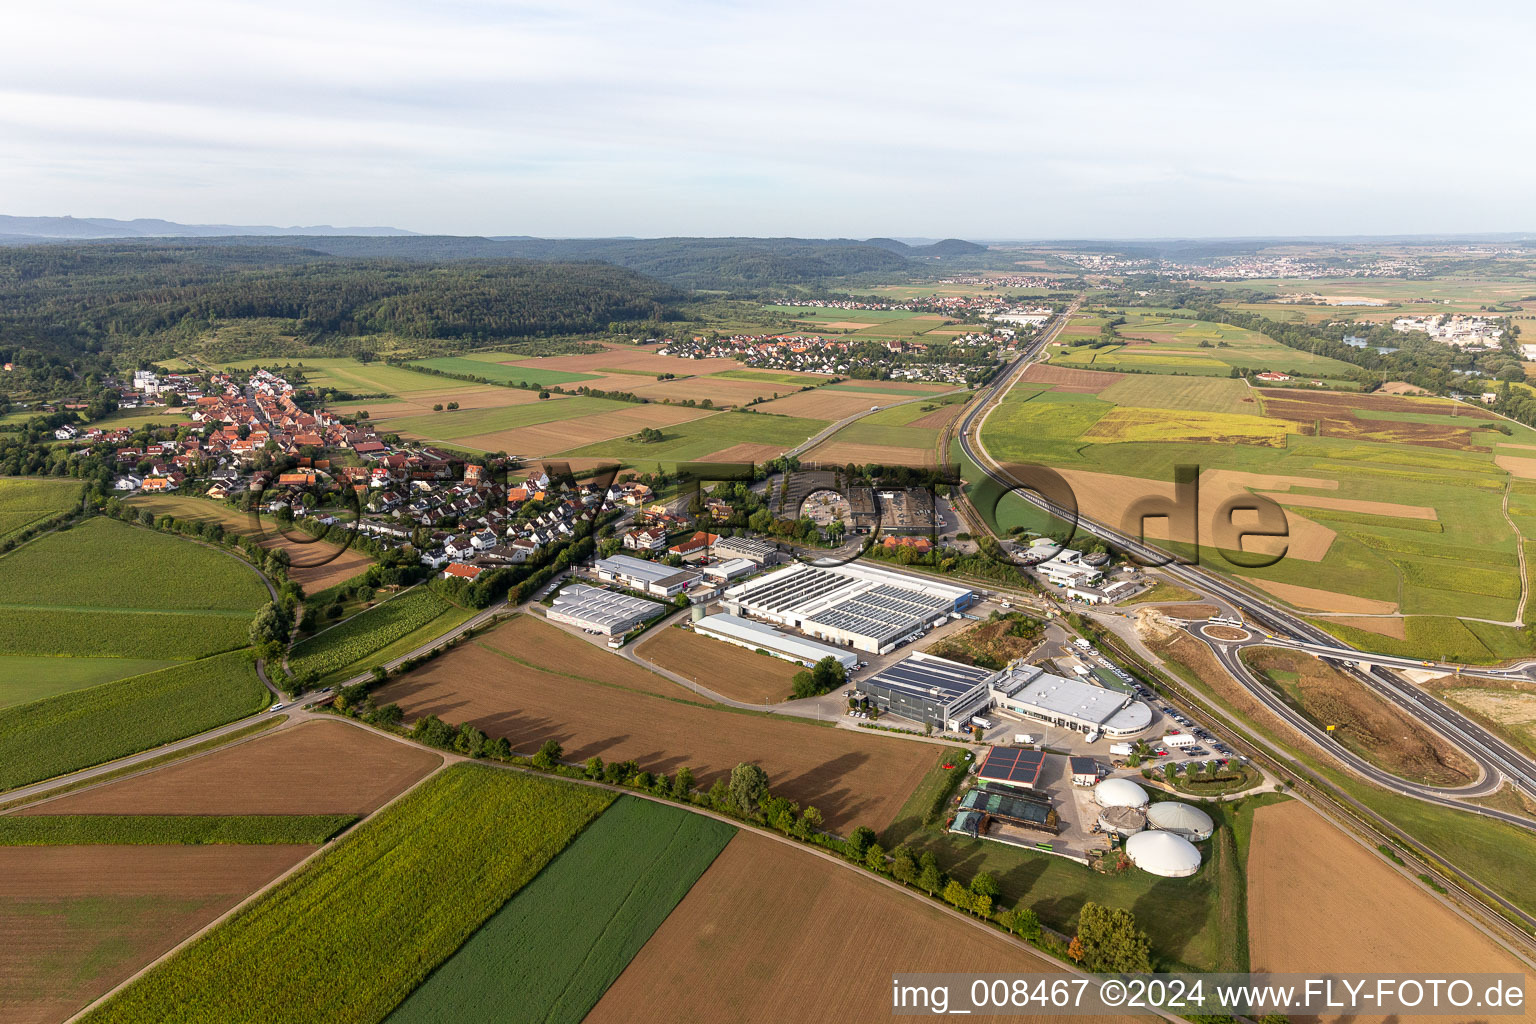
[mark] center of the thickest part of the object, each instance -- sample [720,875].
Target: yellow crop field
[1132,424]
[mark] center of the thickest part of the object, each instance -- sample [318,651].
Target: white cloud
[793,118]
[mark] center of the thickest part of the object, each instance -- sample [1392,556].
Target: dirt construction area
[1319,901]
[77,920]
[744,946]
[734,671]
[316,767]
[533,692]
[1363,721]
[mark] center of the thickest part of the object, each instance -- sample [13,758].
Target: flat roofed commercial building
[734,629]
[650,577]
[924,688]
[1030,691]
[907,512]
[858,606]
[730,569]
[1011,766]
[603,610]
[759,551]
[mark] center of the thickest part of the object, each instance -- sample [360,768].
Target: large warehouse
[923,688]
[650,577]
[603,610]
[858,606]
[1031,691]
[734,629]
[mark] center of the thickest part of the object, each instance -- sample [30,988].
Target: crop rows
[84,727]
[58,632]
[24,501]
[366,633]
[553,950]
[347,938]
[169,829]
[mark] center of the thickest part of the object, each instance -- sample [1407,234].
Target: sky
[976,120]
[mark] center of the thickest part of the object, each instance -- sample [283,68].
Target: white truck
[1176,740]
[1121,749]
[1024,739]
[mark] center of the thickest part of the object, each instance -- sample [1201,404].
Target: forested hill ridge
[32,228]
[77,304]
[716,264]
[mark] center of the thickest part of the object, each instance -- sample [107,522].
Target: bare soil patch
[1524,469]
[722,391]
[1515,710]
[1330,414]
[1364,721]
[1302,869]
[1324,600]
[1064,378]
[734,671]
[1375,508]
[1187,611]
[744,946]
[1400,387]
[852,778]
[746,453]
[319,767]
[77,920]
[1225,633]
[820,404]
[543,645]
[844,452]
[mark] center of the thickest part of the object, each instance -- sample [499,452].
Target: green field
[552,951]
[886,323]
[25,501]
[86,727]
[24,678]
[522,373]
[170,829]
[96,633]
[357,644]
[461,423]
[350,935]
[1153,342]
[698,438]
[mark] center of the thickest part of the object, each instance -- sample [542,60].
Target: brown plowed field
[544,645]
[1524,469]
[1302,870]
[1327,414]
[723,391]
[820,404]
[1386,626]
[1365,722]
[841,453]
[771,933]
[77,920]
[734,671]
[1324,600]
[310,768]
[939,418]
[1400,387]
[563,435]
[852,778]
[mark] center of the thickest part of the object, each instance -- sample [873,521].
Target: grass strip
[170,829]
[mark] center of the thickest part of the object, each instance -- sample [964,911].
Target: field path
[832,428]
[1525,585]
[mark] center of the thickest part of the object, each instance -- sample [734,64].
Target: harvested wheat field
[772,933]
[734,671]
[1372,508]
[1065,378]
[75,921]
[1301,868]
[939,418]
[1363,721]
[420,403]
[318,767]
[1324,600]
[542,644]
[746,452]
[820,404]
[1524,469]
[1400,387]
[853,779]
[723,391]
[563,435]
[1386,625]
[841,453]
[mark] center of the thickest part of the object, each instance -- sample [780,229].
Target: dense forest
[75,306]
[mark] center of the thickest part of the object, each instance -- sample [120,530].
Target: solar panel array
[883,613]
[1013,766]
[918,676]
[783,591]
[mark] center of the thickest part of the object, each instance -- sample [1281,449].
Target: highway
[1497,758]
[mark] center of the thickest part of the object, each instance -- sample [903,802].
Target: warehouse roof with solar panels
[1010,766]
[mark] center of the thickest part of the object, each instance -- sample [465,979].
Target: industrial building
[1030,691]
[858,606]
[760,552]
[1009,808]
[648,577]
[1163,853]
[907,512]
[1181,819]
[923,688]
[1085,771]
[602,610]
[1010,766]
[730,569]
[733,629]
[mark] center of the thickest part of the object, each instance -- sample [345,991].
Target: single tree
[874,858]
[929,878]
[548,756]
[1111,942]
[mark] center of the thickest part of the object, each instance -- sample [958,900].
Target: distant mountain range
[149,227]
